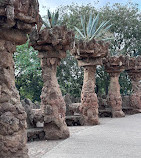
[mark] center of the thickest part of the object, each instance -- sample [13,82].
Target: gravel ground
[39,148]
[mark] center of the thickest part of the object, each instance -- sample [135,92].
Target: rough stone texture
[91,49]
[74,120]
[104,109]
[35,134]
[12,114]
[89,101]
[135,97]
[105,113]
[114,97]
[52,45]
[114,66]
[72,105]
[133,68]
[54,40]
[34,114]
[68,103]
[27,103]
[36,117]
[125,101]
[52,102]
[102,101]
[28,106]
[17,17]
[74,108]
[89,55]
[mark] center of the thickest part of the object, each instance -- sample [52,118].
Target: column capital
[89,62]
[135,75]
[114,74]
[52,54]
[114,65]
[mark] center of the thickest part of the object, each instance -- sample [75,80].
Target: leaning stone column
[89,55]
[114,66]
[134,71]
[52,45]
[16,20]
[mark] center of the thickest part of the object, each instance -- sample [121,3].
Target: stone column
[89,101]
[135,97]
[12,115]
[52,102]
[114,96]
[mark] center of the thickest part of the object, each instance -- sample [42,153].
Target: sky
[53,4]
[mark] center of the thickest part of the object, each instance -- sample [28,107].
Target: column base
[22,154]
[118,114]
[56,130]
[85,121]
[13,134]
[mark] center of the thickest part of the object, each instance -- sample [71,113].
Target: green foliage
[126,28]
[3,1]
[52,19]
[70,14]
[70,76]
[28,72]
[30,86]
[102,81]
[126,20]
[125,84]
[92,29]
[26,60]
